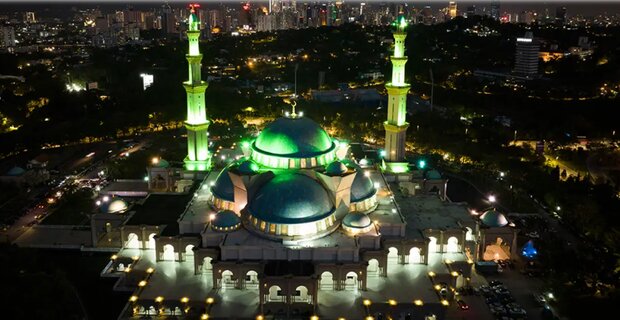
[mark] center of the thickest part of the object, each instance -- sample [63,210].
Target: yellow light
[135,258]
[445,302]
[155,160]
[315,317]
[470,261]
[150,270]
[260,317]
[204,316]
[448,261]
[342,318]
[437,287]
[431,274]
[392,302]
[159,299]
[128,269]
[418,302]
[454,274]
[113,257]
[210,300]
[133,298]
[369,318]
[185,299]
[367,302]
[142,283]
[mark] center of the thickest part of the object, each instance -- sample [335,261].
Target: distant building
[7,37]
[560,15]
[452,10]
[526,57]
[495,9]
[29,17]
[471,11]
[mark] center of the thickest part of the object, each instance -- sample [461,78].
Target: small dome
[16,172]
[335,168]
[226,219]
[362,187]
[433,175]
[294,138]
[115,205]
[493,219]
[161,163]
[291,198]
[223,187]
[356,219]
[248,167]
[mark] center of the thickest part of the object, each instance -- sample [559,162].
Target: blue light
[421,164]
[529,251]
[382,153]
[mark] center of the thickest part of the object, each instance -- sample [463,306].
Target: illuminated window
[272,228]
[284,229]
[255,221]
[262,225]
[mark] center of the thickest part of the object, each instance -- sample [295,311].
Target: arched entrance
[251,280]
[276,294]
[415,256]
[207,267]
[327,281]
[392,257]
[469,235]
[227,279]
[373,268]
[132,241]
[350,281]
[301,295]
[168,254]
[432,245]
[151,243]
[453,245]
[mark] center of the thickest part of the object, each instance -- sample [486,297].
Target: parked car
[462,305]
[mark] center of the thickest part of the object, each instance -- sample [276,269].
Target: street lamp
[492,199]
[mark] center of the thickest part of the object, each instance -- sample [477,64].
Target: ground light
[418,302]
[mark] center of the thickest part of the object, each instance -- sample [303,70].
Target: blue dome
[247,167]
[493,219]
[362,187]
[223,187]
[291,198]
[356,220]
[226,219]
[293,138]
[335,168]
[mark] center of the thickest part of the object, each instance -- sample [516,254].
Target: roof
[356,220]
[362,187]
[291,198]
[223,187]
[226,218]
[248,167]
[433,175]
[492,218]
[297,137]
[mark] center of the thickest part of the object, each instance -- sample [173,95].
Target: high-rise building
[7,35]
[452,10]
[526,57]
[560,15]
[495,14]
[471,10]
[198,157]
[396,124]
[29,17]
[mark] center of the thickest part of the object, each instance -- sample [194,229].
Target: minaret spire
[198,157]
[396,124]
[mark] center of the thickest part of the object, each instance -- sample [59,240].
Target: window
[272,228]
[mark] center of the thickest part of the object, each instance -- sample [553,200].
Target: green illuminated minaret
[198,157]
[396,126]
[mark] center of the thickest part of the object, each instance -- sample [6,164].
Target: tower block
[396,124]
[198,157]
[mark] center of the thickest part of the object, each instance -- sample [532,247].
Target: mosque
[297,227]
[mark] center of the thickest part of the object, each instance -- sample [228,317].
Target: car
[495,283]
[462,305]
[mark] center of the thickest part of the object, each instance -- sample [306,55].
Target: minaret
[198,157]
[396,126]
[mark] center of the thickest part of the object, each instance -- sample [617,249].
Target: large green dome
[291,198]
[297,137]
